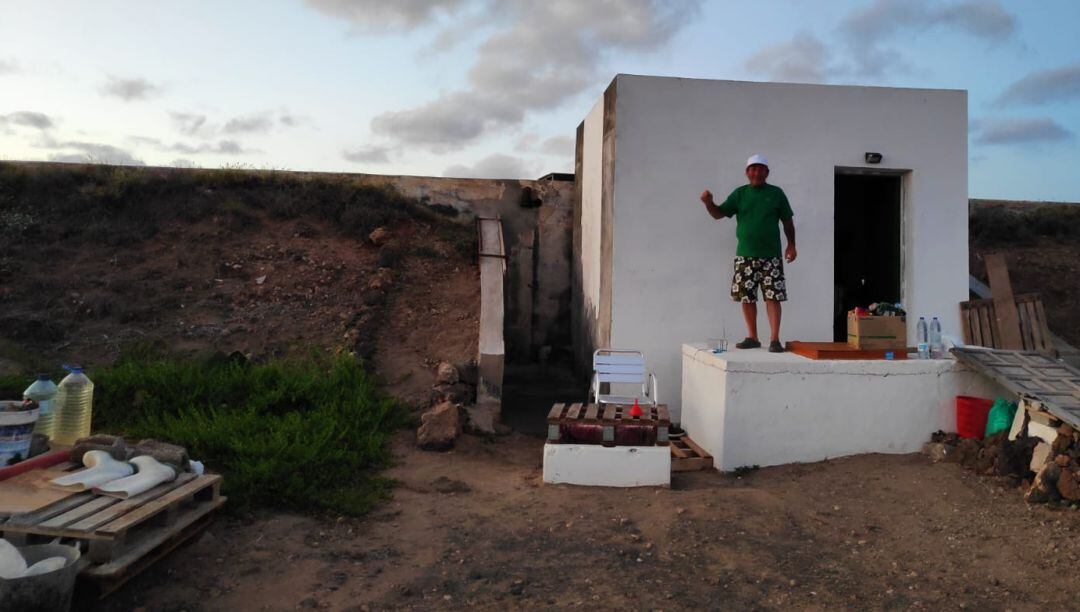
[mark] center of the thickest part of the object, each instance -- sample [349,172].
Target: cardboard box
[877,332]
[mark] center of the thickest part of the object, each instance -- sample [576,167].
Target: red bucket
[971,413]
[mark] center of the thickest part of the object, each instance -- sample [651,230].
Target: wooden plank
[29,491]
[591,412]
[116,511]
[965,324]
[1044,329]
[144,551]
[678,451]
[663,414]
[841,350]
[986,329]
[574,413]
[90,507]
[33,518]
[555,413]
[609,413]
[160,504]
[697,449]
[1005,313]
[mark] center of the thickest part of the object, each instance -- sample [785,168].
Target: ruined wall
[537,222]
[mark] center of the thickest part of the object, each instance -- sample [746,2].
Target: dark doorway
[866,244]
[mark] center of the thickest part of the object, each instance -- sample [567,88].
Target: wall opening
[867,244]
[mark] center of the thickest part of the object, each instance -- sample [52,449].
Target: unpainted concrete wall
[537,219]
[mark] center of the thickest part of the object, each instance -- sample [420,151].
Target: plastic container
[922,337]
[16,431]
[49,591]
[72,407]
[937,349]
[43,391]
[971,414]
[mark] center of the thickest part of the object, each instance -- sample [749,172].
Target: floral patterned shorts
[754,272]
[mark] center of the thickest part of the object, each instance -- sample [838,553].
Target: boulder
[1068,485]
[1044,489]
[446,374]
[439,427]
[1043,453]
[937,451]
[379,236]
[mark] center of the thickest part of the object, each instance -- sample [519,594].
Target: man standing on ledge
[758,207]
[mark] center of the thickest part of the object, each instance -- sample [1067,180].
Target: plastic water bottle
[43,391]
[923,338]
[937,349]
[72,407]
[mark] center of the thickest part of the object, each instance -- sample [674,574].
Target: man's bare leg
[749,313]
[772,308]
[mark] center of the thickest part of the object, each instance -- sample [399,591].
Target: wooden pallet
[609,417]
[687,456]
[120,537]
[979,324]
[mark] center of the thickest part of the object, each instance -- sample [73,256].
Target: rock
[1043,453]
[1064,439]
[382,279]
[379,236]
[163,452]
[937,451]
[459,393]
[442,484]
[1068,485]
[446,374]
[260,280]
[1044,489]
[1063,460]
[966,453]
[482,417]
[439,427]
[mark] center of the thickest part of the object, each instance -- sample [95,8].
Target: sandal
[749,343]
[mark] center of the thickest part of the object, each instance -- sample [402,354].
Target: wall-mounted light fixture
[873,158]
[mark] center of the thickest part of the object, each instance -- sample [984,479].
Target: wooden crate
[687,456]
[120,537]
[841,350]
[609,417]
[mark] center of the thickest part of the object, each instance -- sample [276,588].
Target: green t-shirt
[758,211]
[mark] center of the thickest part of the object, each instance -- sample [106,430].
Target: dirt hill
[96,259]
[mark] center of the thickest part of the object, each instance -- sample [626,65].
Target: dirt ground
[476,528]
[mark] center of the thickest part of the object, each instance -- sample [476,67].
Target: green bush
[1003,226]
[300,434]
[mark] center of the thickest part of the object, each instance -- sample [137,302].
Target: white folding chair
[621,367]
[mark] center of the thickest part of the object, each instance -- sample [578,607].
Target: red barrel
[971,413]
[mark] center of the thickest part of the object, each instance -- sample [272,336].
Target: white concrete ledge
[753,407]
[601,466]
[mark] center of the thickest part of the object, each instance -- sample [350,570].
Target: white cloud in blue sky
[497,87]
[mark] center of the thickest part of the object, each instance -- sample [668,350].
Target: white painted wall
[675,137]
[757,408]
[591,184]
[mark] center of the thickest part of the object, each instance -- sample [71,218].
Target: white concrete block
[759,408]
[602,466]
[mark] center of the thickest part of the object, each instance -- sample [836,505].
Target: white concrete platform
[602,466]
[752,407]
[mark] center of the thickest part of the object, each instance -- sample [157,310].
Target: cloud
[32,119]
[803,59]
[370,154]
[537,55]
[129,89]
[8,67]
[558,145]
[223,147]
[376,15]
[251,124]
[1045,86]
[188,124]
[1019,131]
[493,167]
[92,153]
[867,30]
[180,162]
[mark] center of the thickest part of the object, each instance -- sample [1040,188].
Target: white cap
[757,159]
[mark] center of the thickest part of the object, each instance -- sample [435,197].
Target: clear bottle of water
[937,349]
[922,336]
[72,407]
[43,391]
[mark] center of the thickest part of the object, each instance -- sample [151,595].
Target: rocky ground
[476,528]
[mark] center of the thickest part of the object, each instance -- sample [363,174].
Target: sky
[496,88]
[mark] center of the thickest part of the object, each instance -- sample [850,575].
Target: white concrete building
[652,270]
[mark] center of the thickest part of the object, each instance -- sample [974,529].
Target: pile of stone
[453,409]
[1040,451]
